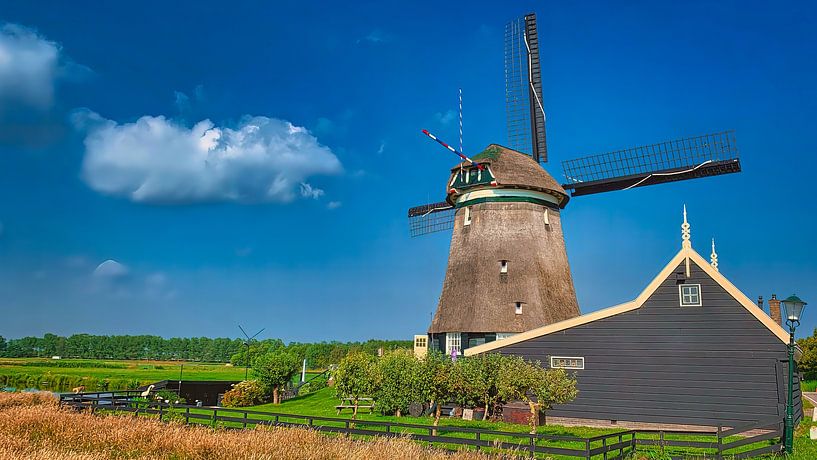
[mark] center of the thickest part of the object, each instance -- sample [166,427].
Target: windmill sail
[430,218]
[680,159]
[524,107]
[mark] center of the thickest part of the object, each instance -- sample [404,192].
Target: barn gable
[652,360]
[669,271]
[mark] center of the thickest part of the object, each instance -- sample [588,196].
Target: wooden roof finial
[713,258]
[685,234]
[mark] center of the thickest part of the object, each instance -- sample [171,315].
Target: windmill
[247,344]
[507,269]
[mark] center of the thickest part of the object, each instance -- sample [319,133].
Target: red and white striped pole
[452,149]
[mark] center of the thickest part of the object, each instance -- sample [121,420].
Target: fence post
[245,420]
[161,411]
[215,417]
[532,445]
[587,448]
[720,443]
[186,415]
[604,445]
[661,441]
[478,439]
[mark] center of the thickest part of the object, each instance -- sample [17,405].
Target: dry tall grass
[32,426]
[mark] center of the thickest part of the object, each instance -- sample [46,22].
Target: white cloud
[156,160]
[375,36]
[445,118]
[308,191]
[382,148]
[334,204]
[29,67]
[111,270]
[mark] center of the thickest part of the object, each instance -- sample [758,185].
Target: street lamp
[793,306]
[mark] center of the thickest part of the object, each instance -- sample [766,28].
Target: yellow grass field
[32,426]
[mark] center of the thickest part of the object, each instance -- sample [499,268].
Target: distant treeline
[203,349]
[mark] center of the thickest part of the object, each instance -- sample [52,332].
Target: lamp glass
[794,308]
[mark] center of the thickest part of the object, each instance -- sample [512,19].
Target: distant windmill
[247,344]
[507,268]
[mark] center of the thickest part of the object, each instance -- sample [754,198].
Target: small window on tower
[503,266]
[547,216]
[518,308]
[467,216]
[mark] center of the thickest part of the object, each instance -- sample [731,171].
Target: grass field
[32,427]
[64,374]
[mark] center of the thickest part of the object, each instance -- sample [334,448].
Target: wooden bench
[355,404]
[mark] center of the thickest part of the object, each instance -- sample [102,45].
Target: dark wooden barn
[208,392]
[691,349]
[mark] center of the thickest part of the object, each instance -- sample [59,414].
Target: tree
[481,372]
[275,369]
[395,379]
[354,377]
[434,381]
[520,380]
[808,362]
[2,346]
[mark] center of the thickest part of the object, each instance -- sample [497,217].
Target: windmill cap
[513,169]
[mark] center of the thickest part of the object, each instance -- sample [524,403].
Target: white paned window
[504,335]
[420,342]
[690,295]
[503,266]
[467,216]
[518,309]
[453,341]
[566,362]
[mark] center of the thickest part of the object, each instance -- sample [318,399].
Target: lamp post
[794,308]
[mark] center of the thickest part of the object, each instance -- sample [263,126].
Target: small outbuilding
[691,349]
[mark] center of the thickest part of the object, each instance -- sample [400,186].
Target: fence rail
[723,443]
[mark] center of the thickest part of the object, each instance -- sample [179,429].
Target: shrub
[246,393]
[317,383]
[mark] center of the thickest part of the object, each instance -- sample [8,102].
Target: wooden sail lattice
[680,159]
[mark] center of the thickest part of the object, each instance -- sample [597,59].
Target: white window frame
[518,308]
[579,368]
[503,267]
[681,300]
[453,340]
[547,216]
[504,335]
[467,217]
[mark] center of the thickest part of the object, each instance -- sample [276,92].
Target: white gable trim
[683,255]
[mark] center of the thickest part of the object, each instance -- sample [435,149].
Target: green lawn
[64,374]
[321,403]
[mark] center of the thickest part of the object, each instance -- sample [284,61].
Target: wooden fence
[724,443]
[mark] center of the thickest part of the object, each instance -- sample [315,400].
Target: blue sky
[314,111]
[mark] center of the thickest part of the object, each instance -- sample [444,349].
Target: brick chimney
[774,309]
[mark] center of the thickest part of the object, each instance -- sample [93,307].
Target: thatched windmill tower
[507,268]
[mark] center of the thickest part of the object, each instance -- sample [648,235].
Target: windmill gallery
[691,349]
